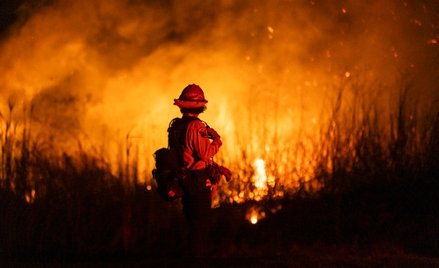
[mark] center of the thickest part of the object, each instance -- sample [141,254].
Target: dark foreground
[298,258]
[381,223]
[382,230]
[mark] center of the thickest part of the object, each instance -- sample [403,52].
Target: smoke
[106,72]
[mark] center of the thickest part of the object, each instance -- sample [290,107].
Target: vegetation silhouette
[378,195]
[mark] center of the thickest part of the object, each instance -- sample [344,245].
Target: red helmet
[192,96]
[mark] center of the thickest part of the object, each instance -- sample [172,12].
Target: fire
[255,214]
[30,197]
[260,178]
[105,79]
[261,181]
[254,219]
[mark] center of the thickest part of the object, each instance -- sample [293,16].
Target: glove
[226,172]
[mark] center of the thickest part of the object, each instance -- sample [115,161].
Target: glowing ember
[30,197]
[254,219]
[271,31]
[255,214]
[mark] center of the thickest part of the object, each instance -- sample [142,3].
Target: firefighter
[196,144]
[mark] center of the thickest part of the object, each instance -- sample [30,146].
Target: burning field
[328,112]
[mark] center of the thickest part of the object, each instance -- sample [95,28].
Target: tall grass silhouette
[370,173]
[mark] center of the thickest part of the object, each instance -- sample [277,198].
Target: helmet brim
[189,104]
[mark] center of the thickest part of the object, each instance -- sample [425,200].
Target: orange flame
[255,214]
[105,79]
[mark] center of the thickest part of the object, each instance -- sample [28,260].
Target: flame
[261,181]
[255,214]
[254,219]
[106,78]
[30,197]
[260,178]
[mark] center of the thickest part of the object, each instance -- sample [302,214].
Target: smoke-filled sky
[100,70]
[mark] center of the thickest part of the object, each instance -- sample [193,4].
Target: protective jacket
[193,143]
[198,150]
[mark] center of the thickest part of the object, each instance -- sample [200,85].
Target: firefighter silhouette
[196,144]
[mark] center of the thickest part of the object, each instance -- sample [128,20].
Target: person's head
[191,100]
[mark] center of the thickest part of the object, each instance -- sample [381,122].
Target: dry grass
[374,179]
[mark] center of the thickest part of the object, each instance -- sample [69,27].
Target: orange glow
[260,177]
[254,219]
[101,77]
[255,214]
[30,197]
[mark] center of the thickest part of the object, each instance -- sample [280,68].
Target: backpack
[169,172]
